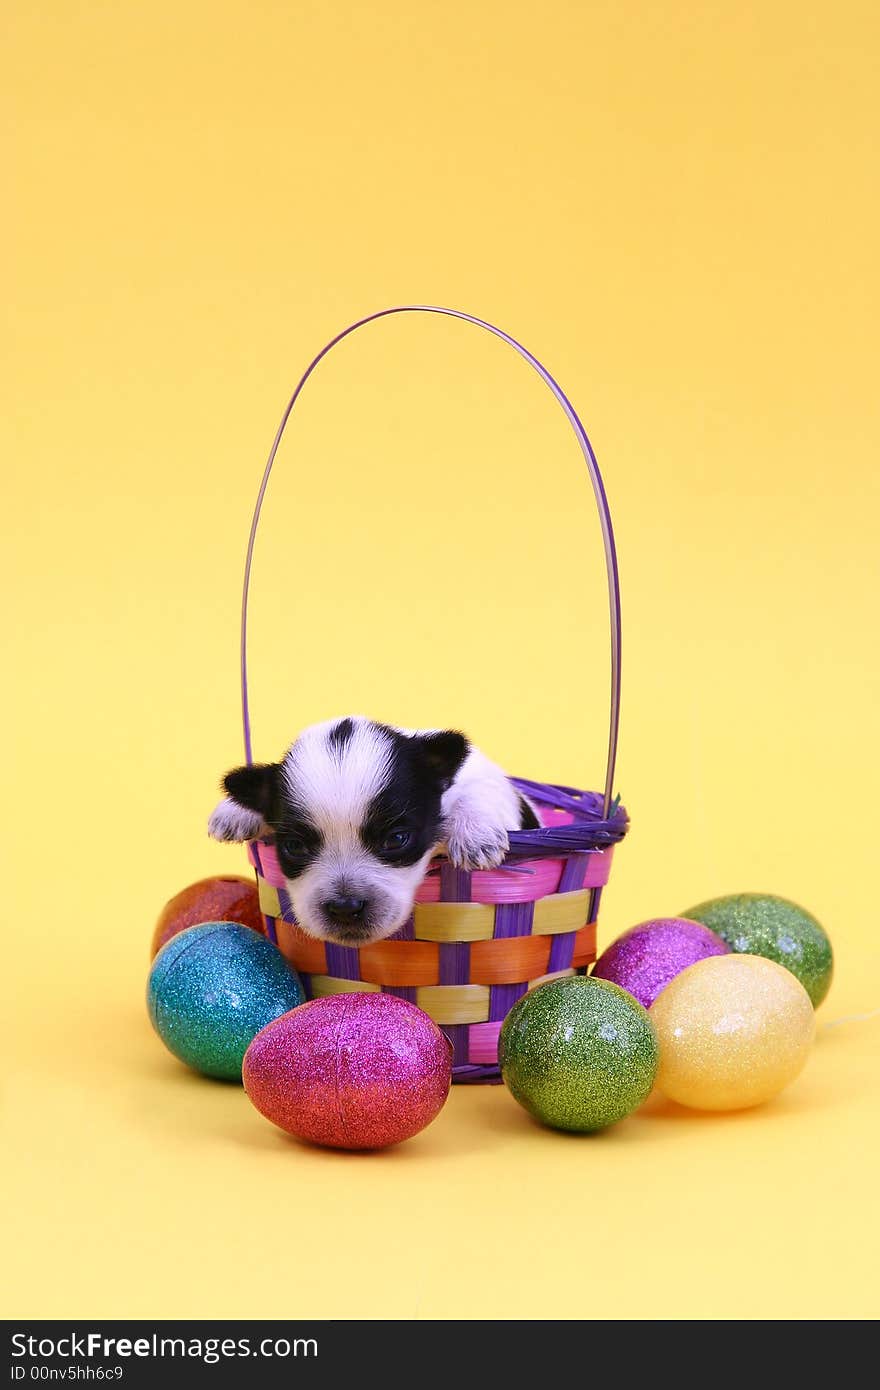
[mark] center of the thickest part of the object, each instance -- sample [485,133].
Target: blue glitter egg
[211,990]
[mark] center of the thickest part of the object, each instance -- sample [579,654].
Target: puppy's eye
[397,839]
[294,846]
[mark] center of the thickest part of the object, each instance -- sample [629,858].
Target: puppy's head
[355,811]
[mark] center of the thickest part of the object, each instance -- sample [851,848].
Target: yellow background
[675,206]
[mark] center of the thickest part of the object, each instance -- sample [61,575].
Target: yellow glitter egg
[733,1031]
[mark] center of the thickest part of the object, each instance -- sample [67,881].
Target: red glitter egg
[227,899]
[353,1071]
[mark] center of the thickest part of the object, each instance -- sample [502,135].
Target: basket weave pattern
[475,942]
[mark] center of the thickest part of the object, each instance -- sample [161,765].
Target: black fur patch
[261,788]
[257,787]
[340,735]
[297,843]
[422,767]
[527,818]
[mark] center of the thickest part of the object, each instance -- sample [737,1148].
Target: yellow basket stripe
[269,903]
[556,975]
[561,912]
[454,1003]
[330,984]
[454,921]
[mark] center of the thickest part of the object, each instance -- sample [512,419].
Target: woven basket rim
[590,830]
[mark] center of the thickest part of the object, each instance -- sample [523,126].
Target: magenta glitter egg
[353,1071]
[647,957]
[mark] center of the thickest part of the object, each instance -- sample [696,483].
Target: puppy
[357,811]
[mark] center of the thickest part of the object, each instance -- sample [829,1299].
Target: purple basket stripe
[343,962]
[455,963]
[271,931]
[306,979]
[595,899]
[407,992]
[473,1075]
[573,874]
[455,884]
[407,932]
[284,902]
[457,1033]
[253,850]
[502,999]
[561,952]
[514,919]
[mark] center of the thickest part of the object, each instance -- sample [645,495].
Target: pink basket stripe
[598,868]
[483,1043]
[265,861]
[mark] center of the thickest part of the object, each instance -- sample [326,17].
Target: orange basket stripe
[585,945]
[509,960]
[401,963]
[302,951]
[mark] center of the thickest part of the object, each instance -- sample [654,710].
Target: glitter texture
[212,988]
[733,1030]
[578,1053]
[228,899]
[647,957]
[759,924]
[353,1071]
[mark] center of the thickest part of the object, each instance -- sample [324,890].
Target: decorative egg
[759,924]
[227,899]
[578,1053]
[358,1070]
[733,1031]
[648,956]
[212,988]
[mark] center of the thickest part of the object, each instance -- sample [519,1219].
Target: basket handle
[595,479]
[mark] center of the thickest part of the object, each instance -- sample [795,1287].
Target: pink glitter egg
[352,1071]
[647,957]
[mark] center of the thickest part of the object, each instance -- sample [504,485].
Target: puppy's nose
[345,910]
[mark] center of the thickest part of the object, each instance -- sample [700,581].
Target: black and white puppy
[358,809]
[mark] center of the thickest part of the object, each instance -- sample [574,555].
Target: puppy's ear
[443,753]
[247,812]
[255,787]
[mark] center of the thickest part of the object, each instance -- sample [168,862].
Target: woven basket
[475,942]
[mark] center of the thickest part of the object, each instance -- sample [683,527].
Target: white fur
[229,821]
[478,810]
[336,787]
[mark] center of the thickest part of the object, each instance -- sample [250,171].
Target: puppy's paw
[474,846]
[234,823]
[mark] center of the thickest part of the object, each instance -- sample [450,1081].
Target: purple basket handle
[595,479]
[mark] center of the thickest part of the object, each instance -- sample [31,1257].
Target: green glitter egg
[758,924]
[212,989]
[578,1053]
